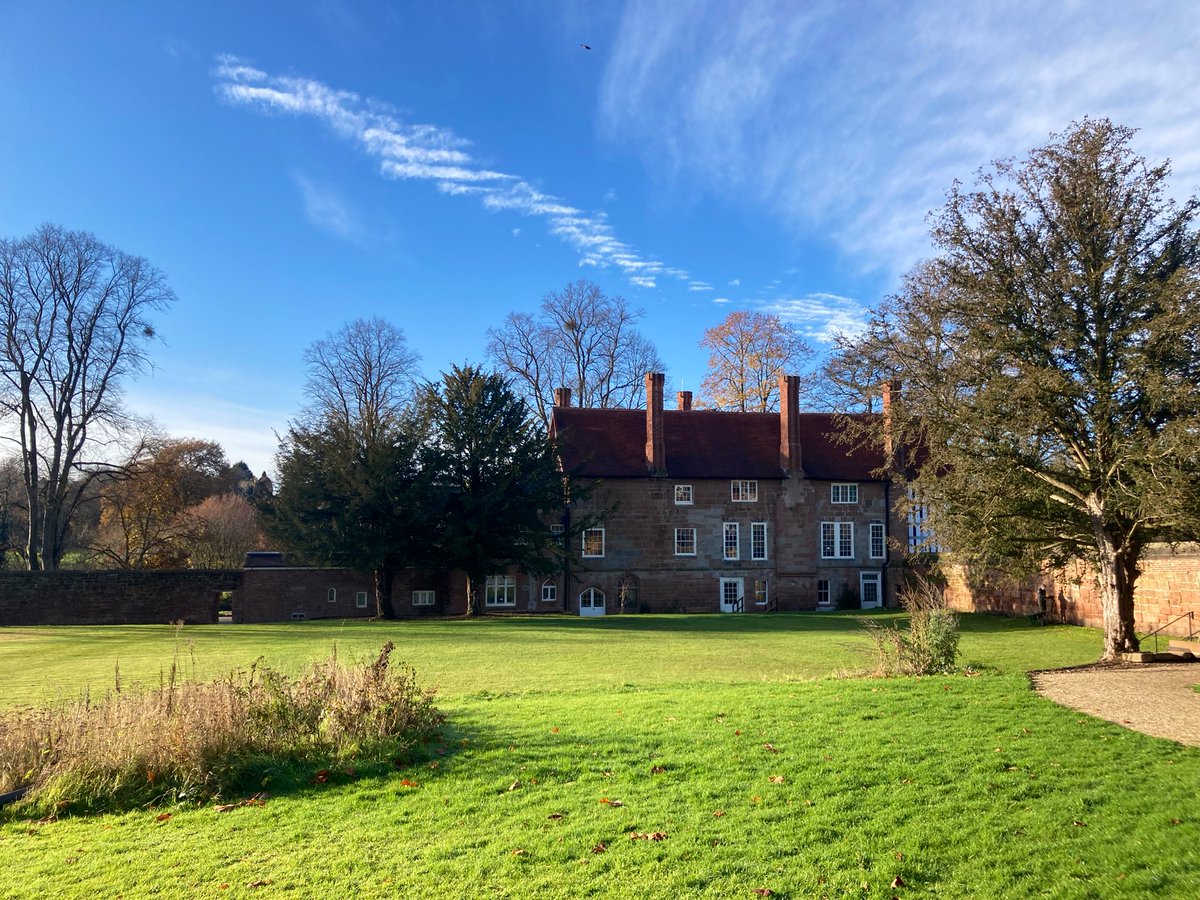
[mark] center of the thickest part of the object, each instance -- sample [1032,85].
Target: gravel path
[1154,699]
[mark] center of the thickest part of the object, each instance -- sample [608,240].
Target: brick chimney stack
[656,449]
[683,401]
[890,392]
[789,424]
[562,397]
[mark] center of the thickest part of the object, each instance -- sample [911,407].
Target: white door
[591,602]
[869,590]
[733,595]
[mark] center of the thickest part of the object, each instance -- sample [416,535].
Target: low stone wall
[122,597]
[1168,587]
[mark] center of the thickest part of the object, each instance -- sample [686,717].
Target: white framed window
[758,540]
[730,540]
[920,535]
[685,541]
[331,595]
[549,592]
[837,540]
[760,592]
[556,528]
[743,491]
[500,590]
[423,598]
[593,542]
[822,592]
[877,540]
[360,599]
[843,492]
[683,495]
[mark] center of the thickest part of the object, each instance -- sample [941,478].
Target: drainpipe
[566,537]
[887,533]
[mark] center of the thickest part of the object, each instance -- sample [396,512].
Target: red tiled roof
[611,443]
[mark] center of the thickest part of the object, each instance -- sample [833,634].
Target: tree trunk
[473,596]
[1116,576]
[384,608]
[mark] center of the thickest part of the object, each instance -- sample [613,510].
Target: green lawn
[775,774]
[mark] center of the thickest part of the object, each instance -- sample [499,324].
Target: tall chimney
[656,449]
[890,392]
[789,424]
[562,397]
[683,401]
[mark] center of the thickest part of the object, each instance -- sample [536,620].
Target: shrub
[848,598]
[191,740]
[930,644]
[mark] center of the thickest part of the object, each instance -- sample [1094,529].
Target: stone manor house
[699,511]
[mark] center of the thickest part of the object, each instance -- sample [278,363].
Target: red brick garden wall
[286,594]
[1169,586]
[113,597]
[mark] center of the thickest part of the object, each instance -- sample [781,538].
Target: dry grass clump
[930,644]
[192,740]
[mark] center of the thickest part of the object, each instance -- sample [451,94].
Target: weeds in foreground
[189,740]
[929,646]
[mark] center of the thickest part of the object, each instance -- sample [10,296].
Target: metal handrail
[1190,615]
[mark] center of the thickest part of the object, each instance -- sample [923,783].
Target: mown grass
[959,786]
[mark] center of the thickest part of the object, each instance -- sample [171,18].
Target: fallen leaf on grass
[599,848]
[764,892]
[555,816]
[554,730]
[648,836]
[897,882]
[520,851]
[718,814]
[899,856]
[321,777]
[514,785]
[770,748]
[777,779]
[657,770]
[1176,821]
[162,817]
[404,782]
[1079,824]
[46,820]
[737,732]
[262,882]
[608,802]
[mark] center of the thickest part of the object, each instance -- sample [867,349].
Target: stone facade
[753,489]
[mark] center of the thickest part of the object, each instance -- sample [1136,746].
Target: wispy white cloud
[735,282]
[435,154]
[852,124]
[720,300]
[328,210]
[699,286]
[820,316]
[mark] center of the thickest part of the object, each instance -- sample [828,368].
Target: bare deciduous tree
[75,321]
[582,339]
[226,528]
[747,354]
[361,378]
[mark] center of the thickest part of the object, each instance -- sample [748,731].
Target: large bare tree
[75,322]
[748,351]
[1051,364]
[353,488]
[582,339]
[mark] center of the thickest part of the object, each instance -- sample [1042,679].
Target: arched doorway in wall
[591,602]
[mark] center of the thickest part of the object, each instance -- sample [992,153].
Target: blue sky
[293,166]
